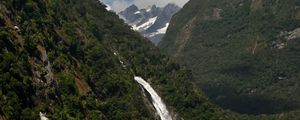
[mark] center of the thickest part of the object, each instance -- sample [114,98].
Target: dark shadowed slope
[243,53]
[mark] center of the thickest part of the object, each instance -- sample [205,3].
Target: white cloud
[119,5]
[161,3]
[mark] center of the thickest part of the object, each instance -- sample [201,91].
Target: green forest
[243,54]
[57,57]
[62,58]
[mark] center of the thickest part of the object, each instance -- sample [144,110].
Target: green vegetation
[61,62]
[247,59]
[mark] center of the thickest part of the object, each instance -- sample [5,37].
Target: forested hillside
[62,58]
[71,59]
[244,54]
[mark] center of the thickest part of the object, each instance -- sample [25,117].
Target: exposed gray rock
[151,22]
[293,34]
[284,37]
[217,13]
[43,78]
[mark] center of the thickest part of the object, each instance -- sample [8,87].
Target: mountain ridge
[151,22]
[239,52]
[80,64]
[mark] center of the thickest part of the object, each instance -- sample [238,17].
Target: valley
[218,60]
[241,52]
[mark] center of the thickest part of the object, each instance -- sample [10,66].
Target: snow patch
[160,31]
[164,29]
[137,12]
[148,10]
[146,25]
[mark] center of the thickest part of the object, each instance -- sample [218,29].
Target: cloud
[161,3]
[119,5]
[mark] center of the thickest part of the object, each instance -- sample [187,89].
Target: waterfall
[43,116]
[156,100]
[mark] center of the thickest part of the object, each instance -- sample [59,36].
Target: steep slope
[71,59]
[243,53]
[81,63]
[55,62]
[151,22]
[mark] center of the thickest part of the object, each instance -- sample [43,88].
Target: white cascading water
[157,102]
[43,116]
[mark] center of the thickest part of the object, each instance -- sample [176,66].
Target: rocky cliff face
[151,22]
[242,53]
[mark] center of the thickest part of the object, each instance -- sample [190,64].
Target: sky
[119,5]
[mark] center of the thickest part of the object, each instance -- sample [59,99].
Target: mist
[119,5]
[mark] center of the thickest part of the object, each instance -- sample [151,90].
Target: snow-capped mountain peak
[145,25]
[152,22]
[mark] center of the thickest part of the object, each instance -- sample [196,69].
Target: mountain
[151,22]
[244,54]
[62,59]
